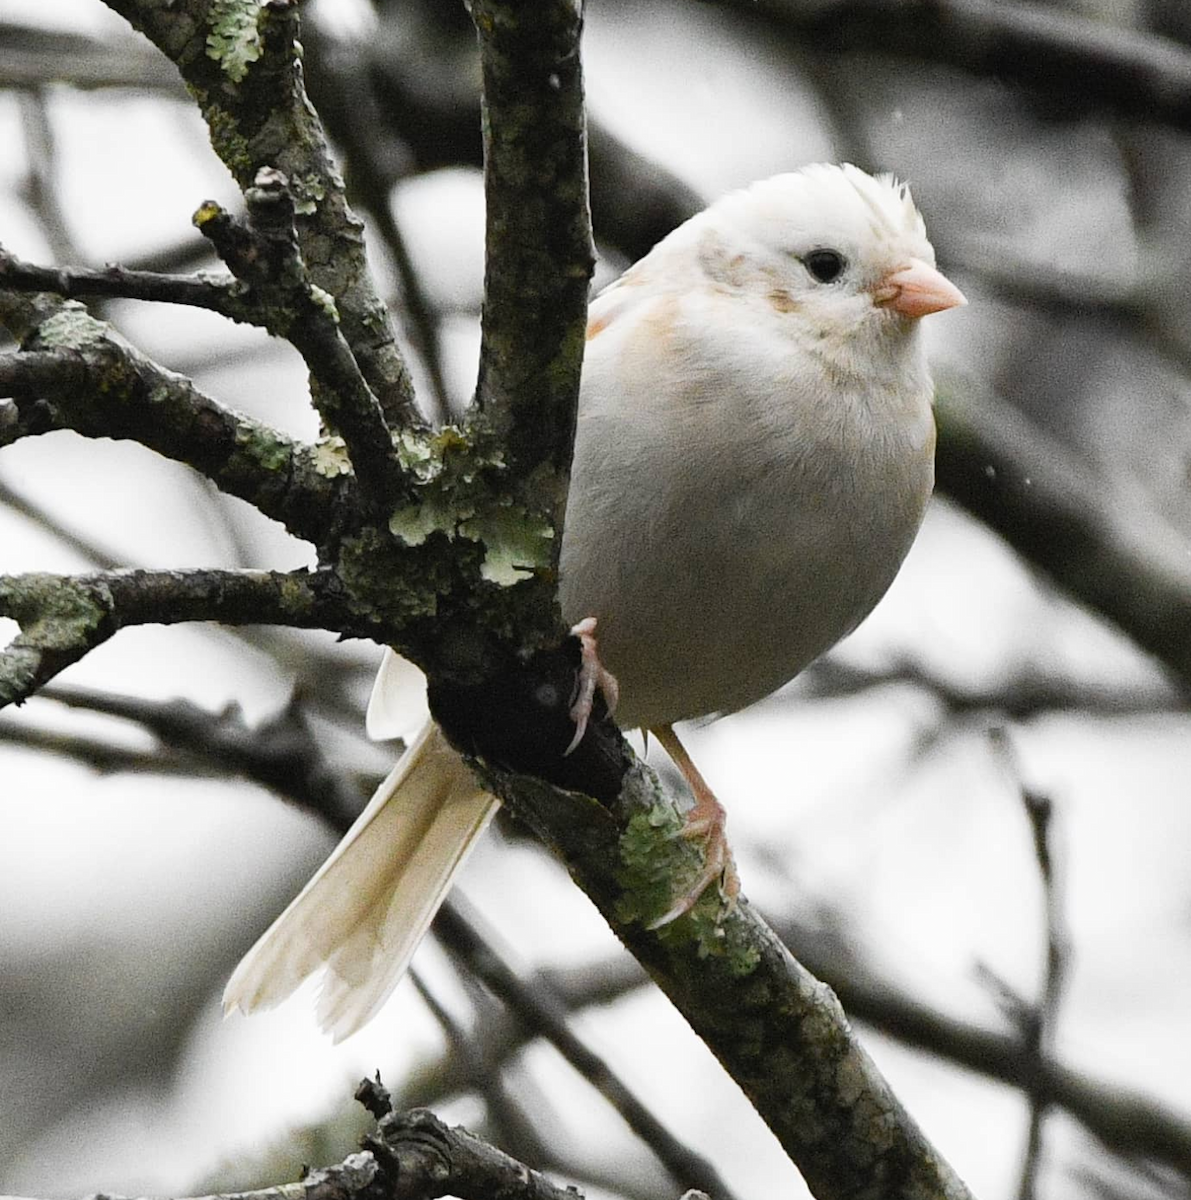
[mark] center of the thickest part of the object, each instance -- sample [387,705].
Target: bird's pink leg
[592,675]
[706,821]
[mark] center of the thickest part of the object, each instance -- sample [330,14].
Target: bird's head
[843,252]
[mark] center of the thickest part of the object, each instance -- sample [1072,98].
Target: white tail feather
[367,908]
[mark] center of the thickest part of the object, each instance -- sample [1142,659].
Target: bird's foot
[708,825]
[593,676]
[706,822]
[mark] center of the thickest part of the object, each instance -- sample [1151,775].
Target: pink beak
[918,289]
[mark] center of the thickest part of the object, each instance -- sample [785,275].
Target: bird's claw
[706,822]
[592,676]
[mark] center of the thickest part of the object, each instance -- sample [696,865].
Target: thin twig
[41,183]
[347,100]
[220,294]
[509,1124]
[265,254]
[91,550]
[1019,696]
[543,1013]
[103,757]
[281,752]
[1039,1020]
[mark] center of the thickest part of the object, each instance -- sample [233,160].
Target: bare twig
[219,294]
[1022,695]
[62,617]
[375,162]
[41,183]
[265,254]
[31,57]
[102,756]
[75,375]
[281,752]
[1055,509]
[508,1122]
[95,553]
[1039,1021]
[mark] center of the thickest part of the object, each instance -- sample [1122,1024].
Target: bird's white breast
[733,510]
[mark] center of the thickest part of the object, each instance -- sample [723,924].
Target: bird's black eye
[825,265]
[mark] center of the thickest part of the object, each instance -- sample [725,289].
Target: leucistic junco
[753,458]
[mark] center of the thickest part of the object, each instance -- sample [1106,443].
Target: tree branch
[778,1031]
[413,1156]
[219,294]
[1128,1122]
[1038,1021]
[266,256]
[242,66]
[539,252]
[62,617]
[76,375]
[375,161]
[281,752]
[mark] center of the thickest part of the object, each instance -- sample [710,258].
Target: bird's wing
[365,911]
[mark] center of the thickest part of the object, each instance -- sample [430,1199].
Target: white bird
[753,458]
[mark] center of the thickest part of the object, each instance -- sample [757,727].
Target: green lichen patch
[388,583]
[652,855]
[296,597]
[330,457]
[456,497]
[55,613]
[325,301]
[234,40]
[434,513]
[263,445]
[516,543]
[229,143]
[72,327]
[657,863]
[308,191]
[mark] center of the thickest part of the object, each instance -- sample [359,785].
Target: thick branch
[539,251]
[421,1158]
[242,66]
[62,617]
[778,1031]
[76,375]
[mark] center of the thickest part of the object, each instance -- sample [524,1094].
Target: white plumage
[753,458]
